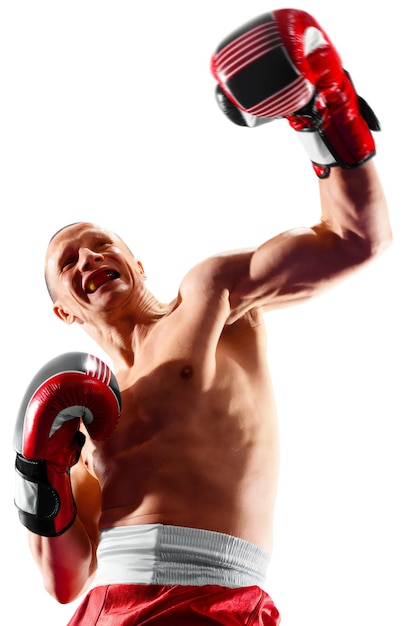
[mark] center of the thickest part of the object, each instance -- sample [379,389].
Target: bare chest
[195,428]
[178,402]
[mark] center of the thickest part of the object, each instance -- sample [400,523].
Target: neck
[121,334]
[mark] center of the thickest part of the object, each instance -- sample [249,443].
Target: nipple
[187,372]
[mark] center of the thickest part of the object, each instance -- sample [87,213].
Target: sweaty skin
[197,441]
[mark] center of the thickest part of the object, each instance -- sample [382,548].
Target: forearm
[334,124]
[67,562]
[302,263]
[58,500]
[353,202]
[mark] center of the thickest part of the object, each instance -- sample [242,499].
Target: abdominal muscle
[199,490]
[193,454]
[194,475]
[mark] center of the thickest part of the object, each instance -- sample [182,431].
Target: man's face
[90,270]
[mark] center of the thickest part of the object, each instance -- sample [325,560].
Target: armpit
[251,318]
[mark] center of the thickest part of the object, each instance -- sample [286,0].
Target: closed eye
[68,263]
[72,259]
[103,244]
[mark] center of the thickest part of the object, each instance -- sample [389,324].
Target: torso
[197,441]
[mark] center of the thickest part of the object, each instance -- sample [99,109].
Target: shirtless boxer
[173,514]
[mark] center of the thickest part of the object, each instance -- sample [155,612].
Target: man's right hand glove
[70,388]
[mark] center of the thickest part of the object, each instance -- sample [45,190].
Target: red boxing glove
[70,388]
[282,64]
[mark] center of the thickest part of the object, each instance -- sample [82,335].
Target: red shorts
[177,605]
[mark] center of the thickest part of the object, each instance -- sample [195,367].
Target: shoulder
[219,271]
[209,285]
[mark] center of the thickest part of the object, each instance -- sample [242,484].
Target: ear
[68,318]
[141,270]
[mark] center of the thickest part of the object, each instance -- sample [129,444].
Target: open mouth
[100,278]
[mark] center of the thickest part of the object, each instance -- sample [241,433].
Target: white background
[107,114]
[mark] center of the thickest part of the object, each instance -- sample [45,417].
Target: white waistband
[172,555]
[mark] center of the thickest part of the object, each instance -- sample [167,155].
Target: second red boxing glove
[282,64]
[70,388]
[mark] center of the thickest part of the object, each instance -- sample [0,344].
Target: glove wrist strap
[43,498]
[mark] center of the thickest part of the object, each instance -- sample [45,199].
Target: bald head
[67,234]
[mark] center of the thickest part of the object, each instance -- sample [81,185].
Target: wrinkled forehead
[70,238]
[71,232]
[77,234]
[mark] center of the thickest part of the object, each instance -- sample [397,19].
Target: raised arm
[283,65]
[301,263]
